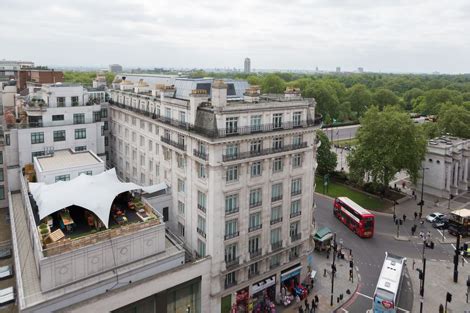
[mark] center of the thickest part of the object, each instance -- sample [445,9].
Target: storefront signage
[268,282]
[292,273]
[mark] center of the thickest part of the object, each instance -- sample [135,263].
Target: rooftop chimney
[251,94]
[219,94]
[292,93]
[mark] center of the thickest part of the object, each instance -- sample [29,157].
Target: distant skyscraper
[115,68]
[247,68]
[360,69]
[338,69]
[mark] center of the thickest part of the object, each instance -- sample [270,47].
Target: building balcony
[260,128]
[201,232]
[253,228]
[251,154]
[202,155]
[232,211]
[255,254]
[232,235]
[173,143]
[274,265]
[276,198]
[202,208]
[232,263]
[295,237]
[255,204]
[295,192]
[293,256]
[294,214]
[275,221]
[276,246]
[230,284]
[252,274]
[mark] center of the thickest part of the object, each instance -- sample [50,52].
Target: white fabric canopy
[94,193]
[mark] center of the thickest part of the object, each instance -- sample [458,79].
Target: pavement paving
[322,285]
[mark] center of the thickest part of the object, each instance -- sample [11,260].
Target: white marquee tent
[94,193]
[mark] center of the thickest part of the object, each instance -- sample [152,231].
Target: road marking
[462,257]
[359,276]
[365,296]
[344,310]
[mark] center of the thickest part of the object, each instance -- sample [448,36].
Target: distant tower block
[338,69]
[360,69]
[247,67]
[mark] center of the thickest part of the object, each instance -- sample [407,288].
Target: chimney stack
[292,93]
[252,94]
[219,94]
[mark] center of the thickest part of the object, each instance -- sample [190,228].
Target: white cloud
[379,35]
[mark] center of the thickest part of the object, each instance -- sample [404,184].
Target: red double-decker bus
[355,217]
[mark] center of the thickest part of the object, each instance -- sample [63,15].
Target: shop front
[263,295]
[291,286]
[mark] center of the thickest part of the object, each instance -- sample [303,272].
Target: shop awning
[323,234]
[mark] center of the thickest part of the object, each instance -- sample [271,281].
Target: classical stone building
[241,169]
[446,166]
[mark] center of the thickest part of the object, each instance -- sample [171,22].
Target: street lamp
[333,269]
[421,203]
[422,273]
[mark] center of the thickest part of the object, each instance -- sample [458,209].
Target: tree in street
[325,157]
[387,143]
[454,120]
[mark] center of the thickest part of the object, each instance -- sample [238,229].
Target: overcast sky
[387,36]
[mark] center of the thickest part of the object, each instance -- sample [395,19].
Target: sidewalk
[322,285]
[439,281]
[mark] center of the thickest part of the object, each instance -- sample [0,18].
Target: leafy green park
[339,190]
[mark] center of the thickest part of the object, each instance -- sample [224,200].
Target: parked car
[431,217]
[441,222]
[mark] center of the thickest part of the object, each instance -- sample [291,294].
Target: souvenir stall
[291,286]
[263,296]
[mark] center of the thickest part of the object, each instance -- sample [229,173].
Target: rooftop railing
[173,143]
[223,132]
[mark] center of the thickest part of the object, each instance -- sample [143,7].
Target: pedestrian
[416,215]
[301,310]
[351,275]
[413,264]
[404,217]
[403,184]
[314,306]
[307,306]
[413,230]
[413,193]
[328,252]
[420,215]
[316,300]
[394,217]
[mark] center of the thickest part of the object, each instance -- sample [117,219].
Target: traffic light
[448,297]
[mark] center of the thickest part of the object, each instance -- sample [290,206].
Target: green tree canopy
[384,97]
[388,142]
[411,95]
[325,157]
[360,98]
[454,120]
[272,84]
[325,96]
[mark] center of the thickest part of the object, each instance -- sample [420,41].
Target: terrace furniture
[143,215]
[120,219]
[66,221]
[56,235]
[5,253]
[7,295]
[6,272]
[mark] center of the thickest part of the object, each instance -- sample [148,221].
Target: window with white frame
[297,140]
[181,140]
[295,208]
[201,170]
[231,229]
[182,117]
[201,201]
[278,164]
[296,186]
[296,119]
[231,125]
[254,244]
[201,248]
[231,252]
[150,145]
[278,143]
[168,113]
[62,178]
[277,120]
[181,229]
[276,194]
[231,150]
[255,123]
[256,197]
[181,207]
[230,279]
[142,141]
[180,160]
[276,214]
[255,169]
[254,221]
[201,225]
[256,147]
[232,173]
[231,204]
[181,185]
[296,160]
[276,235]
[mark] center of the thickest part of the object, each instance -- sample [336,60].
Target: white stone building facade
[241,172]
[446,167]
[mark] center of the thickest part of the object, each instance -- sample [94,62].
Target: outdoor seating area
[74,222]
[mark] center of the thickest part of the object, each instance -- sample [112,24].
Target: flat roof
[64,159]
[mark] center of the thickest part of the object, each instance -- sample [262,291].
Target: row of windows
[256,124]
[58,135]
[256,146]
[232,172]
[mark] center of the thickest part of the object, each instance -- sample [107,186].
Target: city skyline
[327,34]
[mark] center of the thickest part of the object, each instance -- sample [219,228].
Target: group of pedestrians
[309,308]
